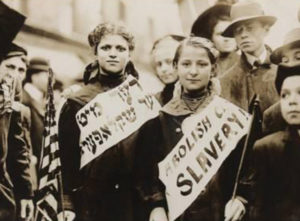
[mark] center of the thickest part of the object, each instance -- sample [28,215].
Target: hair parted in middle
[197,42]
[103,29]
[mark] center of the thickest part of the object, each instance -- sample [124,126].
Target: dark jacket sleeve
[148,155]
[68,136]
[18,159]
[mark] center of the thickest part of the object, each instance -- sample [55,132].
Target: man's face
[14,67]
[250,35]
[291,57]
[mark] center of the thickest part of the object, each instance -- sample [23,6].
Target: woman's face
[223,44]
[163,60]
[113,53]
[194,68]
[290,100]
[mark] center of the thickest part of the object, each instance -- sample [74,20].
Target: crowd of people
[225,56]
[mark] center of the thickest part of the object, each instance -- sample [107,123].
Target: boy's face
[290,100]
[291,57]
[250,35]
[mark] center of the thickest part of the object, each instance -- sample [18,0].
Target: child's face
[290,100]
[194,68]
[163,59]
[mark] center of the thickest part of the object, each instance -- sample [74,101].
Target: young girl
[277,157]
[163,52]
[195,64]
[110,187]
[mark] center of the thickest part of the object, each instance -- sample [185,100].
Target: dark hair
[284,72]
[197,42]
[108,28]
[178,38]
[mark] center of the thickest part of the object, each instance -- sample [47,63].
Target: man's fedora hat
[291,40]
[245,11]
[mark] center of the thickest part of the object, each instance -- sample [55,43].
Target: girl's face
[290,100]
[194,68]
[163,60]
[113,53]
[223,44]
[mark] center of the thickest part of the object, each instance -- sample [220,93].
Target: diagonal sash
[112,116]
[209,137]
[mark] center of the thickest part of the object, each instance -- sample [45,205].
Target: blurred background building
[57,29]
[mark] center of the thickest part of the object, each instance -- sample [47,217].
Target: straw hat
[245,11]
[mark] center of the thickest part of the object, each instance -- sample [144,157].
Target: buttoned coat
[242,81]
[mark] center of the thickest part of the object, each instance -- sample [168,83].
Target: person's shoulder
[272,142]
[234,70]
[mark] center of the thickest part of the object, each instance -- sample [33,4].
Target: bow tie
[257,63]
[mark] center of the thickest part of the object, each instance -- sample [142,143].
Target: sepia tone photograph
[149,110]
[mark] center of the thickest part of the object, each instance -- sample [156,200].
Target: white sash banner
[112,116]
[209,137]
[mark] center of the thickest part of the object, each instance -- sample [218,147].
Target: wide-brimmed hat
[201,26]
[291,40]
[245,11]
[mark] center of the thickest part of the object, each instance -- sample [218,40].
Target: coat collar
[177,107]
[266,64]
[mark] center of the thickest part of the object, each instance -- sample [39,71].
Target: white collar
[263,56]
[33,92]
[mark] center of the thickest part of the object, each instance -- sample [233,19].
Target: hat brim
[276,56]
[270,20]
[199,27]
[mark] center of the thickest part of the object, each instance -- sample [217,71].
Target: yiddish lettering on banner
[112,116]
[208,139]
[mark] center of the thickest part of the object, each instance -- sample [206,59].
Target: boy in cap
[276,157]
[14,64]
[254,73]
[35,89]
[286,55]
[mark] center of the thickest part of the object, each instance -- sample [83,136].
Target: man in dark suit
[10,23]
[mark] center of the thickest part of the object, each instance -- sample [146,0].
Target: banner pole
[246,145]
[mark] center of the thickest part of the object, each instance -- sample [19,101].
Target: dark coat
[117,184]
[273,120]
[226,62]
[14,165]
[277,180]
[37,123]
[241,82]
[210,204]
[166,94]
